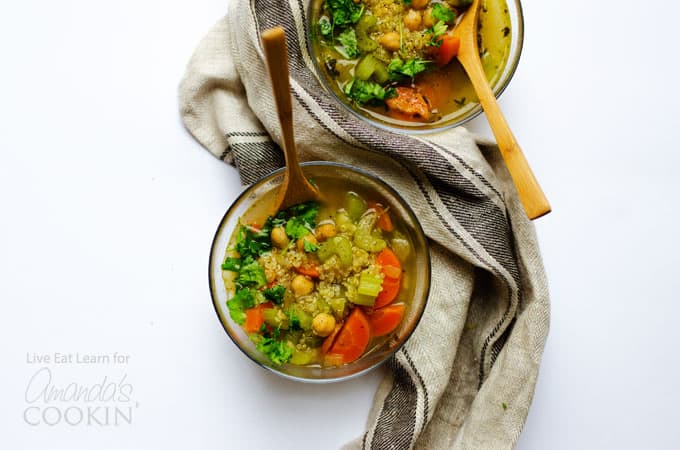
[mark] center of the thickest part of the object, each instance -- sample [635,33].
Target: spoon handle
[295,188]
[530,192]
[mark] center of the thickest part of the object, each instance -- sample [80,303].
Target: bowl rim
[511,68]
[418,227]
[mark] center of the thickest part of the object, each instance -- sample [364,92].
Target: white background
[108,208]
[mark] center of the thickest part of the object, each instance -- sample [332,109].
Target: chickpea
[301,285]
[326,231]
[323,324]
[301,242]
[428,20]
[419,4]
[391,41]
[279,237]
[412,20]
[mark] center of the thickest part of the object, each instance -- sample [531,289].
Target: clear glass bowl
[463,115]
[262,193]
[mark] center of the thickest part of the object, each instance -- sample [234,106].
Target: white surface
[108,210]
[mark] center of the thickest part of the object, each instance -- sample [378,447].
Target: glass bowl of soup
[322,291]
[392,63]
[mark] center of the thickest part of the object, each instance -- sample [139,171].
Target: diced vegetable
[363,237]
[275,317]
[303,357]
[254,318]
[299,319]
[390,290]
[371,67]
[239,303]
[279,352]
[364,42]
[344,222]
[409,104]
[385,320]
[338,306]
[388,258]
[369,284]
[353,337]
[400,246]
[339,245]
[447,50]
[330,340]
[356,205]
[309,270]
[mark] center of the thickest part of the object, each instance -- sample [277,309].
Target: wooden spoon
[295,187]
[530,193]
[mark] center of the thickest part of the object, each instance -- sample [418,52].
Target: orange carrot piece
[254,319]
[330,340]
[390,290]
[385,320]
[447,50]
[353,338]
[387,258]
[310,271]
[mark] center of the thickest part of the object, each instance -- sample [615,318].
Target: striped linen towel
[466,377]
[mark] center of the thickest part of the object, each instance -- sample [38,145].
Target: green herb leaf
[279,352]
[251,275]
[309,247]
[301,220]
[239,303]
[275,294]
[348,39]
[293,320]
[399,69]
[437,30]
[504,405]
[325,27]
[441,12]
[408,2]
[365,92]
[344,12]
[233,264]
[251,243]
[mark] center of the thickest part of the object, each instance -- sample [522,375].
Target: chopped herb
[407,2]
[459,101]
[344,12]
[278,352]
[365,92]
[325,27]
[251,242]
[441,12]
[233,264]
[348,39]
[275,294]
[239,303]
[504,405]
[437,30]
[399,69]
[251,275]
[309,247]
[506,31]
[301,219]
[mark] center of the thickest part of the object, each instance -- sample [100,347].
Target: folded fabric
[466,377]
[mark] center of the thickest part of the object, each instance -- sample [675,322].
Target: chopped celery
[326,250]
[400,246]
[363,237]
[299,319]
[364,300]
[275,317]
[364,42]
[338,305]
[303,357]
[343,248]
[344,222]
[356,205]
[338,245]
[369,284]
[371,67]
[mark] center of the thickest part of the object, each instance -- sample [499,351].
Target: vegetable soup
[395,60]
[321,284]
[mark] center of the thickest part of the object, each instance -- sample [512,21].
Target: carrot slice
[385,320]
[388,258]
[384,220]
[353,338]
[447,50]
[254,319]
[310,271]
[328,342]
[390,289]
